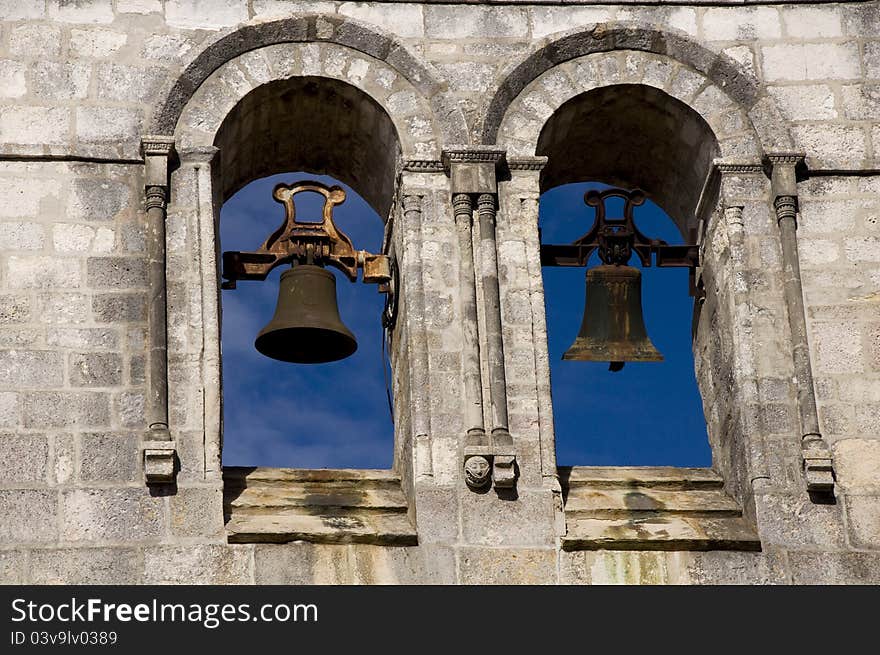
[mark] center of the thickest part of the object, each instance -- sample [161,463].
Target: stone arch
[270,85]
[388,57]
[720,72]
[653,102]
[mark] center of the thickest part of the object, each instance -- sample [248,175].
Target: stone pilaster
[818,466]
[159,448]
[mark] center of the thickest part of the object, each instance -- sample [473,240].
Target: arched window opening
[628,136]
[648,413]
[278,414]
[331,415]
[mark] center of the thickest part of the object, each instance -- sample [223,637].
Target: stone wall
[468,88]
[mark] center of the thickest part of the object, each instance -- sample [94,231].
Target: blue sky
[336,415]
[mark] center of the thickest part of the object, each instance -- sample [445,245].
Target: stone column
[817,460]
[473,174]
[415,294]
[463,210]
[202,162]
[159,447]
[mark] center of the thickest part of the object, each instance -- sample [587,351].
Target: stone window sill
[338,506]
[651,508]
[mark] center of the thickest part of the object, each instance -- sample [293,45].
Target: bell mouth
[305,345]
[306,327]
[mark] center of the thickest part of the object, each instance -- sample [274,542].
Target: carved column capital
[462,207]
[156,197]
[474,169]
[783,178]
[786,208]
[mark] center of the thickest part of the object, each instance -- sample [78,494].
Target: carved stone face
[476,471]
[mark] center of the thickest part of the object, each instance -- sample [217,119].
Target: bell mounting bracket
[617,239]
[304,242]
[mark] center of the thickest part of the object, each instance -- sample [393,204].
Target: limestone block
[96,42]
[110,125]
[97,199]
[12,79]
[417,565]
[81,11]
[14,308]
[863,521]
[812,61]
[129,409]
[36,272]
[805,102]
[868,419]
[17,10]
[167,47]
[116,272]
[861,101]
[38,41]
[834,568]
[80,338]
[404,20]
[139,6]
[13,567]
[862,249]
[28,125]
[68,566]
[59,81]
[23,457]
[831,146]
[624,567]
[812,22]
[199,564]
[62,464]
[35,369]
[21,236]
[42,409]
[125,514]
[265,9]
[29,516]
[795,522]
[73,237]
[493,566]
[488,519]
[62,308]
[817,252]
[857,465]
[437,514]
[129,83]
[301,562]
[469,76]
[458,22]
[547,20]
[871,58]
[205,14]
[108,456]
[9,410]
[95,369]
[716,568]
[741,23]
[197,512]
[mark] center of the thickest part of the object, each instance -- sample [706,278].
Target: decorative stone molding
[423,166]
[159,449]
[526,163]
[818,465]
[741,168]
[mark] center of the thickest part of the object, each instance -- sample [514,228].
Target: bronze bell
[613,329]
[306,328]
